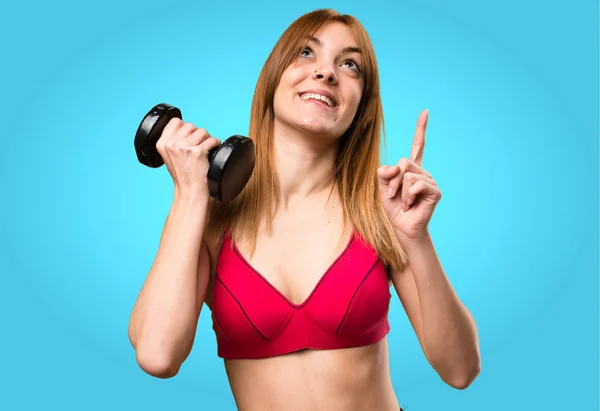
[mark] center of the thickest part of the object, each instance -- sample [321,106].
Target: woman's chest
[294,258]
[347,297]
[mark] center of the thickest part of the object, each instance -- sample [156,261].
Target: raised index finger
[416,153]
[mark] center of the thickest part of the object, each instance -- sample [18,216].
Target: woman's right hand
[184,149]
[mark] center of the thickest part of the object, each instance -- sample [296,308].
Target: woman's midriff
[353,379]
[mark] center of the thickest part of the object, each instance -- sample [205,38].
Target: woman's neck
[305,166]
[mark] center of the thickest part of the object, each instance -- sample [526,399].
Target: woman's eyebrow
[349,49]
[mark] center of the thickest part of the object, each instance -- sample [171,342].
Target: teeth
[326,99]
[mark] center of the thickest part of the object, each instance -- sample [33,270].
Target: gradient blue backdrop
[512,89]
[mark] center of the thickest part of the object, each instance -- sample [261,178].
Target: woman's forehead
[335,34]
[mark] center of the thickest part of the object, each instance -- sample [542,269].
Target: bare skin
[347,380]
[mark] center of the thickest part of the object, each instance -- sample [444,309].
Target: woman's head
[330,54]
[319,92]
[327,51]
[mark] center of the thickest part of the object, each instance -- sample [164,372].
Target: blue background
[512,89]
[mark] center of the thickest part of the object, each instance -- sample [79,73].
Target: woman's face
[321,90]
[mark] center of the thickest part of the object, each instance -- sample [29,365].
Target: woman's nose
[325,73]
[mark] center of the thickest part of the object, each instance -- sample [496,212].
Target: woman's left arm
[445,328]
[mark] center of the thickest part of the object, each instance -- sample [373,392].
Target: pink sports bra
[347,308]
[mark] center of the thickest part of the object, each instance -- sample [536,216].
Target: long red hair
[357,160]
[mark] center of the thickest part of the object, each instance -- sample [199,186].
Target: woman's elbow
[464,378]
[157,364]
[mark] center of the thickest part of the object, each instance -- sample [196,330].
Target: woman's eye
[353,65]
[306,52]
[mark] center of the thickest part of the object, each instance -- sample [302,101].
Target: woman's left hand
[408,192]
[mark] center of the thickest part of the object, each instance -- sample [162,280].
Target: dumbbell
[230,164]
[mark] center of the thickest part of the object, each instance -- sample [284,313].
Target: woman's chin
[318,128]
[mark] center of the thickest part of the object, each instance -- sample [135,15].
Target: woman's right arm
[164,318]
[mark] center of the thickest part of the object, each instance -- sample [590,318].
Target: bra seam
[283,327]
[354,295]
[241,307]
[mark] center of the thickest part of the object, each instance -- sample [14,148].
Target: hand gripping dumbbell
[230,164]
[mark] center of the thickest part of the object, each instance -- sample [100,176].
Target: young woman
[297,270]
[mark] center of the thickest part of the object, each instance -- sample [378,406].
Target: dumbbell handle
[150,131]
